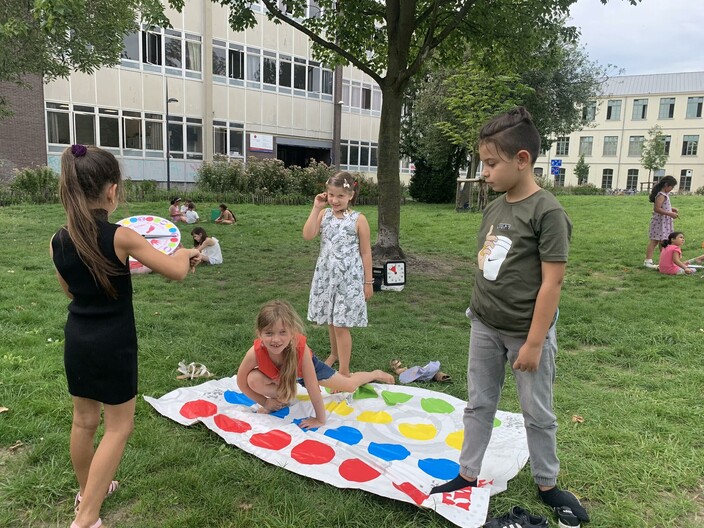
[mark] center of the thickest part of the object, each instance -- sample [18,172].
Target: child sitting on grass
[671,256]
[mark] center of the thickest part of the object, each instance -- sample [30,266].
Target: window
[57,124]
[109,128]
[236,141]
[613,110]
[366,97]
[640,109]
[563,146]
[690,145]
[299,74]
[585,145]
[131,130]
[610,145]
[219,138]
[376,99]
[285,71]
[354,153]
[355,95]
[344,153]
[364,154]
[153,132]
[560,178]
[194,138]
[607,178]
[313,9]
[589,111]
[219,61]
[269,70]
[151,47]
[538,171]
[635,145]
[694,107]
[632,179]
[314,73]
[172,49]
[327,81]
[84,124]
[175,139]
[254,65]
[372,155]
[667,140]
[236,64]
[346,93]
[686,180]
[130,49]
[193,53]
[667,108]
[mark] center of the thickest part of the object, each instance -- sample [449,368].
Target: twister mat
[394,441]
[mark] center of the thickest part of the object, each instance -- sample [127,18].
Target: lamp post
[168,138]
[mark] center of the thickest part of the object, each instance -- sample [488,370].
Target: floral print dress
[337,290]
[660,225]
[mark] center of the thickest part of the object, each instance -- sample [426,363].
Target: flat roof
[658,83]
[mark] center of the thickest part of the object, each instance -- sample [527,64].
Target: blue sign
[556,163]
[555,170]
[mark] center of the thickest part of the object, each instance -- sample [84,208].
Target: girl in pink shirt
[671,256]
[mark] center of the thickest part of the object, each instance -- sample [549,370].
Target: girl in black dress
[100,351]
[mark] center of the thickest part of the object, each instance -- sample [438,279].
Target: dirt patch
[436,266]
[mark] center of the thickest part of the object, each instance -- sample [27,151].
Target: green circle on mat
[436,405]
[392,398]
[497,422]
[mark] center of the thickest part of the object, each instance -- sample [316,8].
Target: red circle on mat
[198,409]
[312,452]
[273,440]
[231,425]
[355,470]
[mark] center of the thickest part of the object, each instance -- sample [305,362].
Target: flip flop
[419,373]
[397,366]
[442,377]
[192,371]
[112,488]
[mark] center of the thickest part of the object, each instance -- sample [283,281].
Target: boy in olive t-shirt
[523,244]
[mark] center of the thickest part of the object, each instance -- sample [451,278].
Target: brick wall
[22,136]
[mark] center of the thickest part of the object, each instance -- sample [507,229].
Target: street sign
[555,170]
[556,163]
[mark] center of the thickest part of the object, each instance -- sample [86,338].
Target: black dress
[100,348]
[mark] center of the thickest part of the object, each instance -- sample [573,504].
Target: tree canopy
[653,155]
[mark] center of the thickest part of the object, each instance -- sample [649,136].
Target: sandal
[112,488]
[442,377]
[192,371]
[397,366]
[96,524]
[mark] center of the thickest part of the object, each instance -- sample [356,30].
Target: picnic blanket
[394,441]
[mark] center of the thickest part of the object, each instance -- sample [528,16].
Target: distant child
[523,243]
[209,247]
[280,357]
[100,351]
[662,221]
[671,256]
[342,282]
[191,214]
[175,211]
[226,216]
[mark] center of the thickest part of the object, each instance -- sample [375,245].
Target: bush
[310,180]
[586,189]
[222,176]
[433,184]
[699,191]
[36,185]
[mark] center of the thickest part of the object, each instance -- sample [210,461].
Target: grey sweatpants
[489,352]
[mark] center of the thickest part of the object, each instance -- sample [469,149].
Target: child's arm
[175,267]
[677,261]
[249,362]
[206,243]
[316,398]
[312,225]
[545,308]
[657,207]
[63,283]
[698,260]
[365,250]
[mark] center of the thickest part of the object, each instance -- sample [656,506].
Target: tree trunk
[387,246]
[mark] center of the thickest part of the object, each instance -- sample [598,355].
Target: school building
[184,94]
[617,124]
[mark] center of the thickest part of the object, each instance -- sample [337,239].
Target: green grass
[630,363]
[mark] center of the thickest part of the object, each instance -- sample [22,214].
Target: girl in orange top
[280,357]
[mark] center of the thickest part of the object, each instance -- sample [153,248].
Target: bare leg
[119,423]
[651,249]
[343,339]
[350,383]
[264,385]
[332,358]
[86,418]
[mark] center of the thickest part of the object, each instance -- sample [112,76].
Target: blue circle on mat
[440,468]
[281,413]
[388,452]
[298,421]
[238,398]
[346,435]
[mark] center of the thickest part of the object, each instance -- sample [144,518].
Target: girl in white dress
[342,281]
[209,247]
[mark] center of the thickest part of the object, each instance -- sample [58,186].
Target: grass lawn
[630,363]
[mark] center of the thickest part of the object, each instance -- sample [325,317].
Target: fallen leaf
[245,507]
[3,409]
[577,419]
[15,446]
[157,313]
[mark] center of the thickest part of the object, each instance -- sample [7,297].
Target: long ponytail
[667,180]
[85,174]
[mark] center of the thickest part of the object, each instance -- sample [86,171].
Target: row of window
[607,178]
[639,111]
[690,145]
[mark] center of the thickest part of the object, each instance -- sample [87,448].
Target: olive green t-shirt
[513,240]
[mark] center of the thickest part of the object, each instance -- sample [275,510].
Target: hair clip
[346,185]
[78,150]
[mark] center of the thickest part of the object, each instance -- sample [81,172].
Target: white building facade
[211,90]
[618,124]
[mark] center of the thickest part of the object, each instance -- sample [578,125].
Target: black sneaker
[517,518]
[565,518]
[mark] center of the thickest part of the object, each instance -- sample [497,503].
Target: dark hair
[512,132]
[345,180]
[198,231]
[671,237]
[174,200]
[666,180]
[86,173]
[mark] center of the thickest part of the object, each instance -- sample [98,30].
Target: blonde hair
[269,314]
[86,173]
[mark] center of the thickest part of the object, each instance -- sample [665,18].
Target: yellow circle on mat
[340,408]
[379,417]
[455,439]
[418,431]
